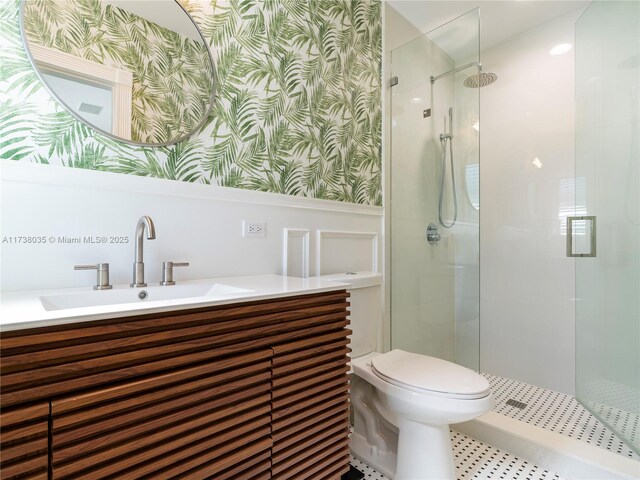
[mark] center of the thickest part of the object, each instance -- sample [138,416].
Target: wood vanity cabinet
[256,390]
[24,443]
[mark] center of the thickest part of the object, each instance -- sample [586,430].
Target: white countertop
[21,310]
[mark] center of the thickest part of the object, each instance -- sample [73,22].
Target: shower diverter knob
[433,237]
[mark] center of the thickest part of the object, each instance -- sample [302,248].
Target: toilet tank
[365,289]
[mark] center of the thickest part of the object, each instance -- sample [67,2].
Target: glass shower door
[608,164]
[435,117]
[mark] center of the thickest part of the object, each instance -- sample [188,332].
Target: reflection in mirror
[93,100]
[138,70]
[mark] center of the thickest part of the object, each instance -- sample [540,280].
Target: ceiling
[499,20]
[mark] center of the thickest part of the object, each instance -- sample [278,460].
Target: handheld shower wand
[444,139]
[449,135]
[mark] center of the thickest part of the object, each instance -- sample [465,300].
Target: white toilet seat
[429,375]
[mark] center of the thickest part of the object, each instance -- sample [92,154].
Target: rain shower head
[474,81]
[480,80]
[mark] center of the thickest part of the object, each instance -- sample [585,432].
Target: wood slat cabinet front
[310,408]
[165,425]
[24,442]
[195,394]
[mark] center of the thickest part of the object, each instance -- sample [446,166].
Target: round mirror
[137,70]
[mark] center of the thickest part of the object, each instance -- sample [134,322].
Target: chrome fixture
[456,70]
[444,139]
[102,269]
[516,403]
[445,135]
[167,272]
[145,223]
[478,80]
[433,237]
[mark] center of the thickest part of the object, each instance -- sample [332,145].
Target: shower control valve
[433,237]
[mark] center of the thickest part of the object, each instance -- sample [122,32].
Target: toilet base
[424,452]
[383,461]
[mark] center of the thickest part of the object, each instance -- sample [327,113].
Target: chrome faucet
[145,222]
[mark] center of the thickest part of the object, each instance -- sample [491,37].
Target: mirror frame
[197,128]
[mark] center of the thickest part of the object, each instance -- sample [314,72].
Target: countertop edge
[29,324]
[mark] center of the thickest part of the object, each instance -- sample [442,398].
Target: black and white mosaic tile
[561,413]
[369,472]
[475,460]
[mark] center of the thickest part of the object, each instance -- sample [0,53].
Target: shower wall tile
[527,282]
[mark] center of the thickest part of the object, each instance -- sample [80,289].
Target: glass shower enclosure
[435,192]
[608,252]
[435,203]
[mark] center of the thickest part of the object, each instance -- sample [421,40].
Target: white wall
[196,223]
[527,284]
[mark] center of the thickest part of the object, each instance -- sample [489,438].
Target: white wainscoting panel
[197,223]
[295,252]
[344,251]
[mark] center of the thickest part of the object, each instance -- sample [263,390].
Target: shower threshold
[554,431]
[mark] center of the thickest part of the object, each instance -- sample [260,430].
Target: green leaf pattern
[297,110]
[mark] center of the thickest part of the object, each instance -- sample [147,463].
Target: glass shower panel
[435,284]
[608,162]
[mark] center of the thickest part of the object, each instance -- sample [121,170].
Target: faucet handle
[167,272]
[102,282]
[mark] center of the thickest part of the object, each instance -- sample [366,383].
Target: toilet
[403,403]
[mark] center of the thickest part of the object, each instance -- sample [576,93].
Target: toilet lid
[429,374]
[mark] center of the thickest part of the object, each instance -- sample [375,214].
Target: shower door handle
[592,234]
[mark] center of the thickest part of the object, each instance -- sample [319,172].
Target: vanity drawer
[195,422]
[24,442]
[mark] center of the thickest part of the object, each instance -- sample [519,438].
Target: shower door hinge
[394,81]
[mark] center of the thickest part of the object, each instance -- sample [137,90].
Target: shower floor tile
[475,460]
[561,413]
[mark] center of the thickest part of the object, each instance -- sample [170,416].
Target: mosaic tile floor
[562,414]
[475,460]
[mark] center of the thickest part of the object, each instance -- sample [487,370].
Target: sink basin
[126,295]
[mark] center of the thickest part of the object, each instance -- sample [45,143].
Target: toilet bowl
[403,403]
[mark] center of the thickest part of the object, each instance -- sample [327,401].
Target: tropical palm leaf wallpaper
[298,107]
[172,74]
